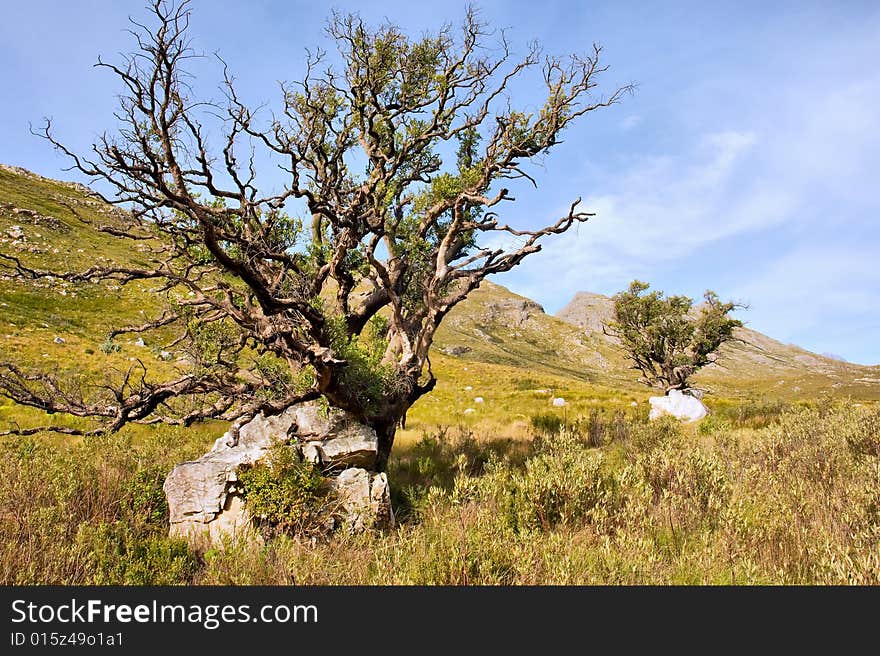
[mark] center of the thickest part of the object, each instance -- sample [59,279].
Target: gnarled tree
[396,158]
[664,339]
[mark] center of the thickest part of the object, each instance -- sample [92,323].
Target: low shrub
[794,502]
[286,495]
[547,423]
[564,484]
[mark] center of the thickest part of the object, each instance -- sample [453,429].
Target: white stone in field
[469,411]
[559,402]
[478,399]
[679,405]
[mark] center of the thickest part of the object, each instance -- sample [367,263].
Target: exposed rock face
[516,311]
[365,498]
[456,350]
[206,502]
[588,311]
[336,440]
[677,404]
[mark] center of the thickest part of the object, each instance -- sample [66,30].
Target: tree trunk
[383,419]
[386,429]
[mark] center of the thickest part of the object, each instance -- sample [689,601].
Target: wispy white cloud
[660,209]
[792,188]
[631,121]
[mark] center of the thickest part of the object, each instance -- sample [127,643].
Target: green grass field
[780,484]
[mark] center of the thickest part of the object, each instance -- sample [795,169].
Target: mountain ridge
[601,308]
[752,363]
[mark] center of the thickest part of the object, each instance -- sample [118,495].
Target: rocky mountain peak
[588,311]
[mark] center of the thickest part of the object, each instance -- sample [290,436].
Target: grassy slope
[34,313]
[738,498]
[513,355]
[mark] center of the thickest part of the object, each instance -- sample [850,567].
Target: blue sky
[746,161]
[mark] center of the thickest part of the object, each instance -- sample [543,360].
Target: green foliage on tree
[666,339]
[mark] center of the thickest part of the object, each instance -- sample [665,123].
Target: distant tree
[664,338]
[398,158]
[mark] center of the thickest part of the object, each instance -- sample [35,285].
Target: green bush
[117,554]
[714,424]
[648,436]
[286,495]
[862,434]
[547,423]
[695,484]
[564,484]
[108,346]
[143,498]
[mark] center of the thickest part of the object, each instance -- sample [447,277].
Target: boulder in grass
[677,404]
[206,501]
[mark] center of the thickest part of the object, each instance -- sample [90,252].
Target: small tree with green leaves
[666,339]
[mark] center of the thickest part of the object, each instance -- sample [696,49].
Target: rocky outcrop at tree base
[206,501]
[364,497]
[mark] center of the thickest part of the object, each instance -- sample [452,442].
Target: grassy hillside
[497,326]
[490,481]
[48,226]
[59,326]
[505,347]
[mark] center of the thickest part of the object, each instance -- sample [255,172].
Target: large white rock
[364,499]
[677,404]
[335,439]
[197,490]
[204,499]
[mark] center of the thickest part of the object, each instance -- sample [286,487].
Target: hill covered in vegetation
[515,353]
[491,482]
